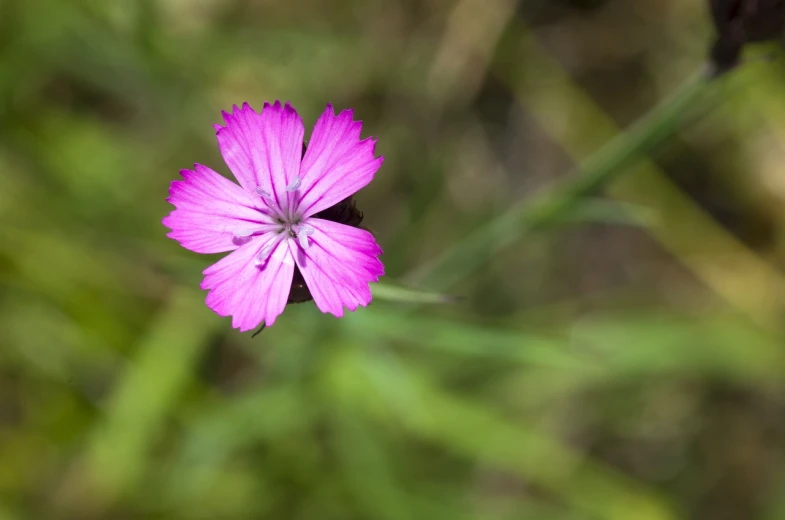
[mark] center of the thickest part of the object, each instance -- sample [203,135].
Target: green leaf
[399,293]
[118,448]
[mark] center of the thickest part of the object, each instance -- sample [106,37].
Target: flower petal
[209,208]
[263,150]
[250,294]
[338,265]
[337,163]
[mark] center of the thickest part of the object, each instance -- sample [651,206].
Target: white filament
[243,233]
[302,235]
[266,196]
[295,184]
[264,254]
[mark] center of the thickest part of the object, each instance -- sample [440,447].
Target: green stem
[610,161]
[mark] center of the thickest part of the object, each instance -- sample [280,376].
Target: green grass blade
[398,293]
[611,160]
[118,448]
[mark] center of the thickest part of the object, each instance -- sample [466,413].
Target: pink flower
[269,221]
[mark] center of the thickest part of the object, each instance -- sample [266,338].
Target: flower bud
[740,22]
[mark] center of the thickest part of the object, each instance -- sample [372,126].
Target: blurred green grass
[621,359]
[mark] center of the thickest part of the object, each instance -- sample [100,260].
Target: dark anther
[740,22]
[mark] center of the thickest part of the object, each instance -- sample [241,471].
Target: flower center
[287,224]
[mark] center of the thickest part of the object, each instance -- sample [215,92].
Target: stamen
[308,230]
[302,235]
[242,236]
[243,233]
[266,197]
[295,184]
[264,254]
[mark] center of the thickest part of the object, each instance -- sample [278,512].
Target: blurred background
[623,360]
